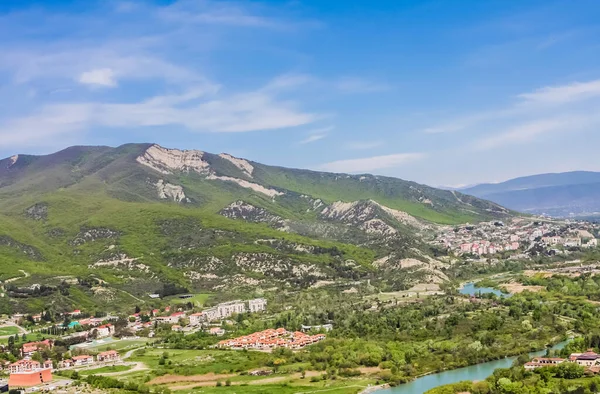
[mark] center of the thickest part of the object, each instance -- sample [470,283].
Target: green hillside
[99,228]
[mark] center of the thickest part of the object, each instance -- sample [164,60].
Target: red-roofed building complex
[270,339]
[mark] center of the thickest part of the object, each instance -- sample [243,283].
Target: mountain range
[102,227]
[568,194]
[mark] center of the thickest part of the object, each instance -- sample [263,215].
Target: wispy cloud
[563,94]
[98,77]
[153,79]
[363,145]
[368,164]
[548,110]
[242,112]
[520,133]
[316,135]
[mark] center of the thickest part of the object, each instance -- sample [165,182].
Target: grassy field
[197,299]
[343,386]
[8,330]
[108,369]
[119,345]
[194,362]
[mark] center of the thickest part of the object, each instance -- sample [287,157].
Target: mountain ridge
[573,193]
[117,224]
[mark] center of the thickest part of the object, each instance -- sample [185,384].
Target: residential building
[105,330]
[109,356]
[257,305]
[196,318]
[227,309]
[32,347]
[83,360]
[218,331]
[587,359]
[540,362]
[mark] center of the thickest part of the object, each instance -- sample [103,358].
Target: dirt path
[139,366]
[211,377]
[25,275]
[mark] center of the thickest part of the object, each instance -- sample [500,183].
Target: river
[474,372]
[470,289]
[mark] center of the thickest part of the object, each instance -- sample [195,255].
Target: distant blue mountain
[565,194]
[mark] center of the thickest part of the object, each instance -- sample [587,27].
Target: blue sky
[439,92]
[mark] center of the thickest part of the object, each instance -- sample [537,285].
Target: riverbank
[473,372]
[373,389]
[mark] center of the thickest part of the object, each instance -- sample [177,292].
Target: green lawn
[8,330]
[108,369]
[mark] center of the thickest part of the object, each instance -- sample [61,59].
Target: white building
[257,305]
[227,309]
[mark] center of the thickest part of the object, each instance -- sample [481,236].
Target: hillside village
[517,236]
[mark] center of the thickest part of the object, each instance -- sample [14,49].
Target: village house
[218,331]
[68,363]
[105,330]
[587,359]
[31,347]
[108,356]
[83,360]
[176,328]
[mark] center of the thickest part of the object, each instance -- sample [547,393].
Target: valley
[208,272]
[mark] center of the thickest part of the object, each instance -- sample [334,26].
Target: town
[30,365]
[519,236]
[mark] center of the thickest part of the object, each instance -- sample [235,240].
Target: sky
[448,93]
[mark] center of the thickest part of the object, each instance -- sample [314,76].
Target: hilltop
[93,227]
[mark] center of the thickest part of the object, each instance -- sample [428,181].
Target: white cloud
[98,77]
[363,145]
[369,164]
[563,94]
[219,13]
[197,110]
[521,133]
[316,135]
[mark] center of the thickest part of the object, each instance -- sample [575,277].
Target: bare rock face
[242,164]
[359,212]
[168,161]
[170,191]
[93,234]
[12,160]
[245,184]
[250,213]
[38,211]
